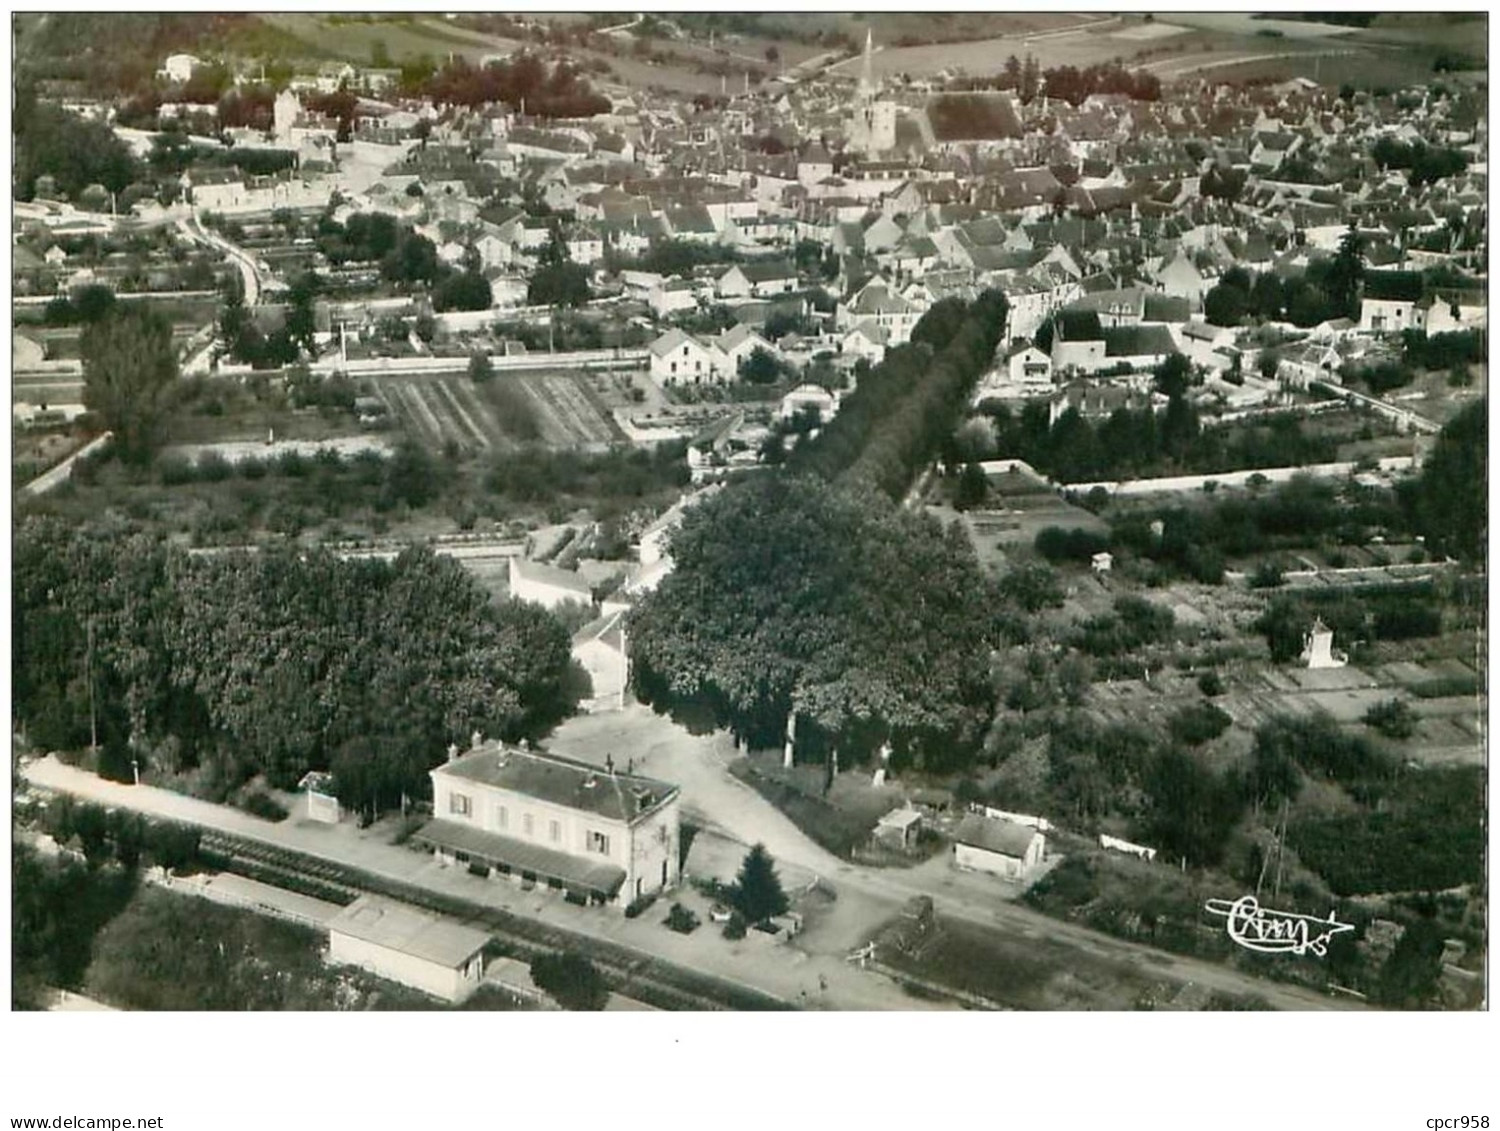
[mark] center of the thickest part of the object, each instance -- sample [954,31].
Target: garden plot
[449,409]
[569,412]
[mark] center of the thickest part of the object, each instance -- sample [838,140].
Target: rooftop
[396,926]
[992,835]
[561,781]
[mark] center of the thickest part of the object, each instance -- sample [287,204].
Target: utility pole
[93,714]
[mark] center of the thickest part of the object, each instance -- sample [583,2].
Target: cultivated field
[561,411]
[1181,44]
[354,38]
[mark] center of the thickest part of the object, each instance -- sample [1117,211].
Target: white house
[1391,302]
[599,833]
[599,647]
[1003,848]
[430,953]
[805,397]
[671,295]
[178,68]
[865,340]
[737,343]
[546,585]
[678,358]
[757,279]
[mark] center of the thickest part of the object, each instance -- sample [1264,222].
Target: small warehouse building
[424,951]
[1002,848]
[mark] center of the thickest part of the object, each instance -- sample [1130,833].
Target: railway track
[627,971]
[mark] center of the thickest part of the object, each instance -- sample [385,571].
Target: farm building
[1003,848]
[547,585]
[417,949]
[543,818]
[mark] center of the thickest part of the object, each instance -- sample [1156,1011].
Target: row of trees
[904,409]
[1140,442]
[1072,84]
[273,663]
[791,597]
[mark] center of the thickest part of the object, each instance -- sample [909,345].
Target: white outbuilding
[427,952]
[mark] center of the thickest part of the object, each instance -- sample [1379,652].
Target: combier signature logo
[1275,932]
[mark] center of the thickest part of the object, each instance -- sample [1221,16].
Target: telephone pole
[93,714]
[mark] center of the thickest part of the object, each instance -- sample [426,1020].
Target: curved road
[723,802]
[192,228]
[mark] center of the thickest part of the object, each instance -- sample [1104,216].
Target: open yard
[560,410]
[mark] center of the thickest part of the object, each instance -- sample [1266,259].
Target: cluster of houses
[894,200]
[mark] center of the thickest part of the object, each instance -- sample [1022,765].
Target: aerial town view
[897,511]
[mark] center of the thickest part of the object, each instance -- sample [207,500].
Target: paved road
[193,229]
[59,474]
[725,803]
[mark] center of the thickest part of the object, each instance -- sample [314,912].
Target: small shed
[427,952]
[322,802]
[899,828]
[1002,848]
[1103,561]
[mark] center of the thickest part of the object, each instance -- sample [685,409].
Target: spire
[866,74]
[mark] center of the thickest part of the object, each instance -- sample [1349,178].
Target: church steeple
[867,71]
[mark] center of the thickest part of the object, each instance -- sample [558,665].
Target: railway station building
[593,835]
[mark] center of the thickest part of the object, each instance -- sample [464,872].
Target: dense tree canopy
[73,152]
[1448,502]
[277,662]
[789,595]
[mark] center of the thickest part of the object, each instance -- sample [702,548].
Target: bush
[571,979]
[1393,718]
[640,904]
[1211,684]
[734,929]
[682,920]
[1198,723]
[259,803]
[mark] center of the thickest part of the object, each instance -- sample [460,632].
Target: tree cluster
[1072,84]
[1425,164]
[789,596]
[558,90]
[72,151]
[1137,443]
[274,663]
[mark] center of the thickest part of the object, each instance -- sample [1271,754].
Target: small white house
[178,68]
[322,800]
[1103,561]
[678,358]
[438,956]
[600,650]
[1002,848]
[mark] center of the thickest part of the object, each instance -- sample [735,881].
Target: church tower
[873,126]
